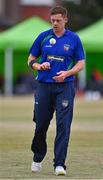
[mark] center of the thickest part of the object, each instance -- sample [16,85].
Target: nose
[55,22]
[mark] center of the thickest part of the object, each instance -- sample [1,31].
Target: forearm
[78,67]
[35,65]
[61,75]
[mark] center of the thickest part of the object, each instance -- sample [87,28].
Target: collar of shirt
[65,33]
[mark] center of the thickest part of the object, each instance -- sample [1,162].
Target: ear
[66,19]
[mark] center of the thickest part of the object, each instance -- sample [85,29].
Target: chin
[56,29]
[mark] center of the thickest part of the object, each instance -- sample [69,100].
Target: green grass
[85,154]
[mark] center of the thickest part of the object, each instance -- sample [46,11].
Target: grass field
[85,156]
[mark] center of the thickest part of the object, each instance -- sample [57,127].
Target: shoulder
[45,33]
[74,37]
[72,34]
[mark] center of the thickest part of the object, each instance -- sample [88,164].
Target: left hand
[61,75]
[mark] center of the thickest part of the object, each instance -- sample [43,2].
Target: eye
[52,20]
[55,20]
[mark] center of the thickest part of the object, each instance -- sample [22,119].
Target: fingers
[58,78]
[45,66]
[60,72]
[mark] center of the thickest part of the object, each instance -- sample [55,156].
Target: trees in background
[84,13]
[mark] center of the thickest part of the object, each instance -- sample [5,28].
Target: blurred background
[20,23]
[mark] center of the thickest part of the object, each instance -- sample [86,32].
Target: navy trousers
[50,97]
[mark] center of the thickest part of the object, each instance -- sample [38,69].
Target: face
[58,22]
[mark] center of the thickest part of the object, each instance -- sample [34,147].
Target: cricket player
[61,57]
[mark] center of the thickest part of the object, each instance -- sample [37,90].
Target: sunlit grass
[85,153]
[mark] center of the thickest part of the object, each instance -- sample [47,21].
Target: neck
[59,33]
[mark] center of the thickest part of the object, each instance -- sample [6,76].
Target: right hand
[45,66]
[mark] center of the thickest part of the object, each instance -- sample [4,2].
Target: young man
[58,49]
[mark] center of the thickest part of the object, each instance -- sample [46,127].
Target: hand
[45,66]
[61,76]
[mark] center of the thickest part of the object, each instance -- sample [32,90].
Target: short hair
[58,10]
